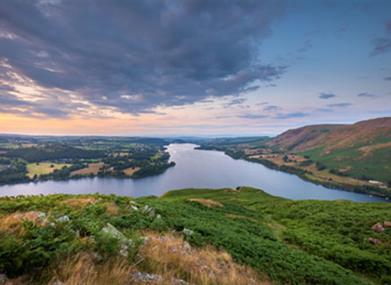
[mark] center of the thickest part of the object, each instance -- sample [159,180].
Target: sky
[187,67]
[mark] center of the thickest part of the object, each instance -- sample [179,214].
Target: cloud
[388,26]
[271,108]
[327,95]
[387,78]
[252,116]
[381,46]
[13,104]
[339,105]
[306,46]
[367,95]
[261,103]
[234,102]
[291,115]
[136,55]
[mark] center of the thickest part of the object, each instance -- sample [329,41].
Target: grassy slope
[295,242]
[342,147]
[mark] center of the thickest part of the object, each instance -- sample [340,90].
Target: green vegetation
[292,242]
[40,168]
[350,157]
[350,161]
[42,158]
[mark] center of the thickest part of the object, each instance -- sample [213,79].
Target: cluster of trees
[153,169]
[53,152]
[14,172]
[117,154]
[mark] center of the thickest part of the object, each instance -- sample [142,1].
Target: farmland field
[40,168]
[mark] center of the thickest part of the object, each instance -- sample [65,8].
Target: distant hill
[362,149]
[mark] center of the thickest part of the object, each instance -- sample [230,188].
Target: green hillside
[283,241]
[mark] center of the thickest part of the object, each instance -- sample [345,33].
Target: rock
[378,227]
[186,247]
[187,232]
[124,242]
[134,208]
[57,282]
[387,224]
[146,277]
[97,256]
[148,211]
[3,279]
[374,241]
[176,281]
[124,250]
[112,231]
[63,219]
[41,215]
[151,278]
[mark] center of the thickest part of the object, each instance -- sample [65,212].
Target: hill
[333,137]
[361,150]
[227,236]
[352,157]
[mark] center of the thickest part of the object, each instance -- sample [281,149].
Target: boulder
[147,210]
[124,242]
[63,219]
[134,208]
[378,227]
[387,224]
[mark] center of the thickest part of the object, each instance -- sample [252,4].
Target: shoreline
[371,191]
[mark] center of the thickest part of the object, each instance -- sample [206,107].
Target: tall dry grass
[83,269]
[172,257]
[168,258]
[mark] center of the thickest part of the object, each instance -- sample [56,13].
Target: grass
[39,168]
[171,256]
[130,171]
[92,169]
[234,233]
[373,165]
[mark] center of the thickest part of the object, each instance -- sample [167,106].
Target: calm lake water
[194,169]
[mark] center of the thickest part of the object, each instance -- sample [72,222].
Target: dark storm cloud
[327,95]
[339,105]
[49,108]
[135,55]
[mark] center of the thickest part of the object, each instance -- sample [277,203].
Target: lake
[194,169]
